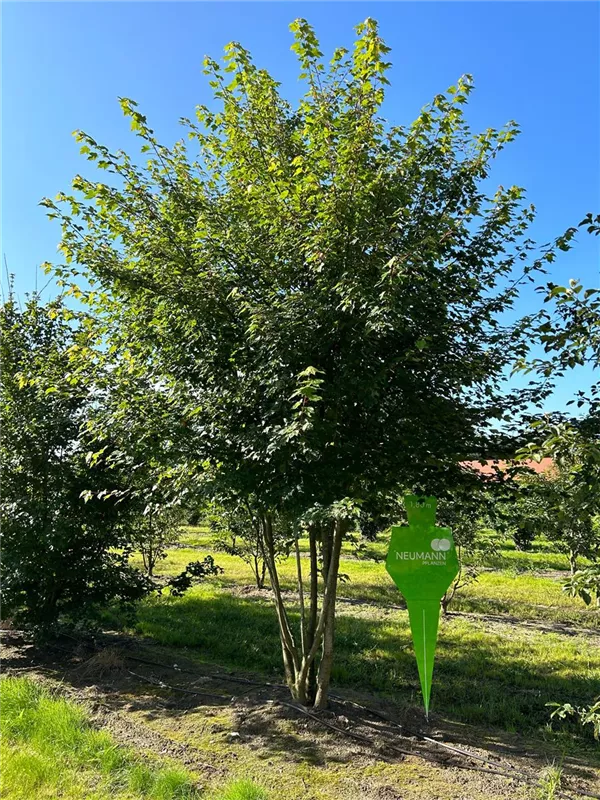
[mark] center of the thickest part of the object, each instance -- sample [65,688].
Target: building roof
[491,466]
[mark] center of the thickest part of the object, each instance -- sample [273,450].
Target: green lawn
[498,663]
[541,556]
[491,669]
[523,594]
[50,750]
[499,677]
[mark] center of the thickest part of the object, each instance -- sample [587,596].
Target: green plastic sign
[422,562]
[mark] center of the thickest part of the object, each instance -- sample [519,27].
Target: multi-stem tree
[329,289]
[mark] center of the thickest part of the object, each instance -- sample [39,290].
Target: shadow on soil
[482,681]
[486,680]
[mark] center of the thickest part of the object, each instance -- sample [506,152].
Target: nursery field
[185,700]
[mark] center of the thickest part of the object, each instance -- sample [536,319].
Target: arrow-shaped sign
[422,562]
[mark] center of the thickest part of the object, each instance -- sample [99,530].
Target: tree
[61,556]
[585,583]
[238,532]
[470,512]
[136,431]
[566,498]
[569,330]
[157,529]
[521,513]
[142,419]
[328,289]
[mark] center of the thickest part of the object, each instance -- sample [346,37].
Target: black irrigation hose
[163,685]
[492,768]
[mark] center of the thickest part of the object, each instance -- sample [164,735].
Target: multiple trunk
[308,650]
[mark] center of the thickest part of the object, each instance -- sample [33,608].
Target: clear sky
[65,64]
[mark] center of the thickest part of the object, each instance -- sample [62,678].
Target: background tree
[143,419]
[469,511]
[567,497]
[328,289]
[238,532]
[568,329]
[157,529]
[520,514]
[61,556]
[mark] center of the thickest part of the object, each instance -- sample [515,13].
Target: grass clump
[50,749]
[242,790]
[550,782]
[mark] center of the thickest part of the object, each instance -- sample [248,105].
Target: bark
[263,559]
[307,683]
[324,674]
[311,679]
[263,574]
[573,561]
[300,596]
[290,654]
[256,571]
[456,585]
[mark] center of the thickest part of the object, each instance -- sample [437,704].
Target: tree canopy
[329,292]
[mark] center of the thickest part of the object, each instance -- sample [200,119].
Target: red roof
[490,467]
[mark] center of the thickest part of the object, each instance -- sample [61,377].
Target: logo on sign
[440,545]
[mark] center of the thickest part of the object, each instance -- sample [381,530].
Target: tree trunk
[324,674]
[573,561]
[307,675]
[303,632]
[263,574]
[256,571]
[311,678]
[288,647]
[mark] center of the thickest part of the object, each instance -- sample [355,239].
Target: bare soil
[220,724]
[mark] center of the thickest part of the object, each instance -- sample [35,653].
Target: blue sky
[65,64]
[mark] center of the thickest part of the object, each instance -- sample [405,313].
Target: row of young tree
[301,320]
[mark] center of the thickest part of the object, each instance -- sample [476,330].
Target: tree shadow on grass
[480,678]
[500,685]
[247,717]
[373,656]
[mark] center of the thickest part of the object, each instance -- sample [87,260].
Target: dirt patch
[214,721]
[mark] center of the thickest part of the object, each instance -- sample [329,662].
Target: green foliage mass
[60,553]
[330,288]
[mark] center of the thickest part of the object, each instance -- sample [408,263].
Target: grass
[541,556]
[293,765]
[50,749]
[487,676]
[493,672]
[550,783]
[526,596]
[523,594]
[243,790]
